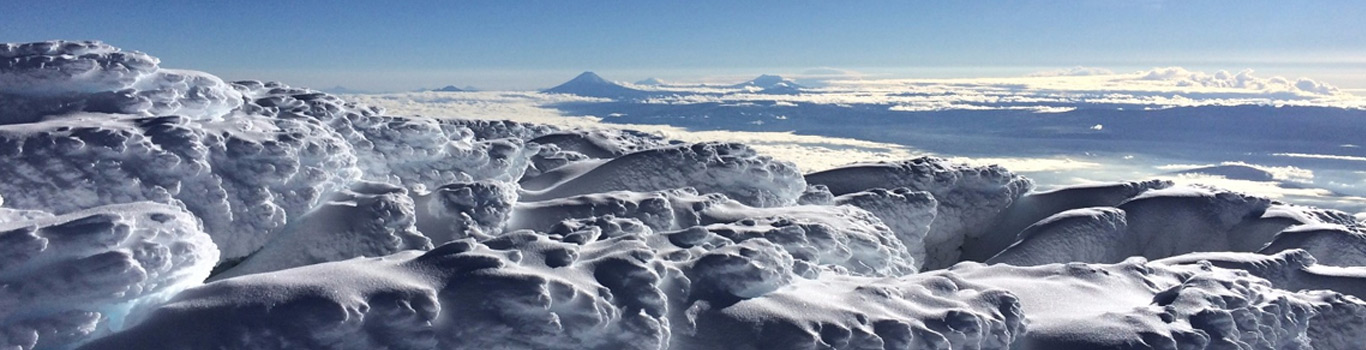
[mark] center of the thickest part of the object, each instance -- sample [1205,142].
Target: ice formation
[324,224]
[969,198]
[69,278]
[731,169]
[368,219]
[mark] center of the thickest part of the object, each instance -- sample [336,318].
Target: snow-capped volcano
[650,82]
[591,85]
[767,81]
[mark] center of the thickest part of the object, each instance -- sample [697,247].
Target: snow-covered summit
[765,81]
[591,85]
[650,82]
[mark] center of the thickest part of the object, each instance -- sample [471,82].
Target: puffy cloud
[1244,79]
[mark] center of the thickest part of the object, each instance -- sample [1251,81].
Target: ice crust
[332,225]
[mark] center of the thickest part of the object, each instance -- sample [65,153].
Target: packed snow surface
[145,208]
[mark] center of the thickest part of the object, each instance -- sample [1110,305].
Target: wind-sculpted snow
[908,213]
[1332,244]
[1173,221]
[460,210]
[1139,305]
[928,311]
[67,279]
[245,167]
[603,143]
[519,291]
[969,198]
[1293,269]
[731,169]
[61,77]
[1097,235]
[333,225]
[1036,206]
[844,238]
[367,220]
[240,183]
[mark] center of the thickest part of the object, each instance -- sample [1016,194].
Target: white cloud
[1241,80]
[1280,173]
[1320,156]
[1032,165]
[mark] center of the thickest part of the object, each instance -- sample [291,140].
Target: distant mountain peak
[650,82]
[449,88]
[591,85]
[589,77]
[768,81]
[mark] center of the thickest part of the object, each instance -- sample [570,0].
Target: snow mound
[519,291]
[1096,235]
[61,77]
[741,271]
[70,278]
[927,311]
[727,168]
[429,153]
[1332,244]
[1036,206]
[369,219]
[1186,219]
[606,143]
[653,209]
[1140,305]
[501,129]
[845,239]
[908,213]
[816,195]
[969,198]
[460,210]
[1293,269]
[1167,222]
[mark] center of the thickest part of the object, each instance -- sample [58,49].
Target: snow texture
[1173,221]
[333,225]
[70,278]
[244,166]
[727,168]
[369,219]
[465,209]
[969,198]
[908,213]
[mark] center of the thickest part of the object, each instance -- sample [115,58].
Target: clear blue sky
[390,45]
